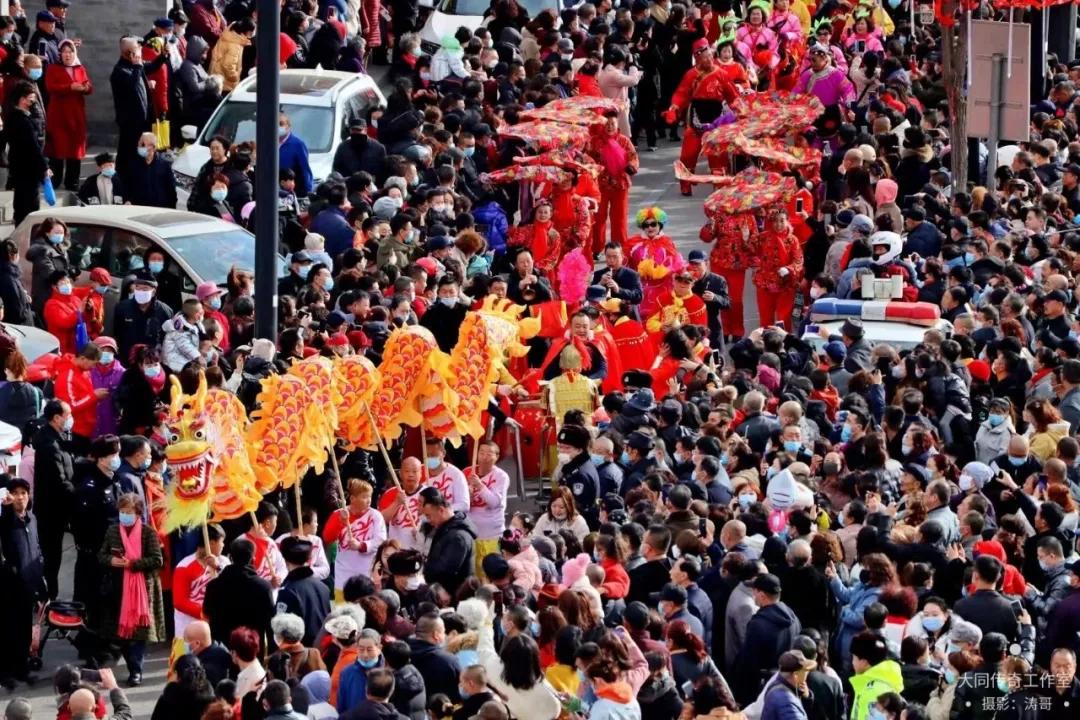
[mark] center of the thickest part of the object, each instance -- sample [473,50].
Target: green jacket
[877,680]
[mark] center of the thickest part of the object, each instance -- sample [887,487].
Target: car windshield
[212,255]
[235,121]
[479,7]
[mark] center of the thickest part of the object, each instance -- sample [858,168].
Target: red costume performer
[635,348]
[540,236]
[678,307]
[653,256]
[699,100]
[572,212]
[618,161]
[780,269]
[735,252]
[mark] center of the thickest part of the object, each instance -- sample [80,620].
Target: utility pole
[267,101]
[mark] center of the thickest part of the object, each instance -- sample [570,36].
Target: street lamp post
[267,99]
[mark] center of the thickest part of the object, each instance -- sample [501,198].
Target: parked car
[202,248]
[320,104]
[34,343]
[448,15]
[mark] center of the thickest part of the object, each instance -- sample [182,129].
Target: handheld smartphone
[798,204]
[827,218]
[498,599]
[812,329]
[1041,482]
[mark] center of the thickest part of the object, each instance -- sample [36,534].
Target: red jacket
[62,313]
[75,387]
[616,581]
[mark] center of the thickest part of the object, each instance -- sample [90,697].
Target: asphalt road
[653,185]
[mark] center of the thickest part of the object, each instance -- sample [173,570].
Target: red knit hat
[287,48]
[980,370]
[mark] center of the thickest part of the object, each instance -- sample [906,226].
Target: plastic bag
[49,192]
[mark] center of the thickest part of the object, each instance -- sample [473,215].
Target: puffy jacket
[615,702]
[46,259]
[855,600]
[769,633]
[74,386]
[867,686]
[181,344]
[782,702]
[992,442]
[227,58]
[62,314]
[491,222]
[409,696]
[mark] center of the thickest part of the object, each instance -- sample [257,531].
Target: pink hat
[207,290]
[104,341]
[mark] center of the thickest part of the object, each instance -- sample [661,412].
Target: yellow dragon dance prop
[224,464]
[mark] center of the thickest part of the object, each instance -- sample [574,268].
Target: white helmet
[893,243]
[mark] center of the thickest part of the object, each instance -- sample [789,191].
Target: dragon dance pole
[389,463]
[341,489]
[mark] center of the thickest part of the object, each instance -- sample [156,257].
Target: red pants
[691,148]
[615,203]
[732,318]
[774,307]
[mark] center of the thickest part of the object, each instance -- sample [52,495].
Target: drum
[532,417]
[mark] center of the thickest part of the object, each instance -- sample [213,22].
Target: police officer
[579,473]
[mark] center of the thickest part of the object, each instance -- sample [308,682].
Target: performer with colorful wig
[654,257]
[780,269]
[699,101]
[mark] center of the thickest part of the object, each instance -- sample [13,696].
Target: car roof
[306,87]
[891,333]
[162,222]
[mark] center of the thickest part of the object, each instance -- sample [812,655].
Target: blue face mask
[597,459]
[152,372]
[725,458]
[465,694]
[127,519]
[845,433]
[35,74]
[114,463]
[950,676]
[143,151]
[625,458]
[994,419]
[146,463]
[875,713]
[282,131]
[746,500]
[367,664]
[469,151]
[792,446]
[303,271]
[1017,462]
[107,357]
[156,266]
[101,289]
[64,289]
[215,303]
[219,194]
[581,677]
[56,238]
[108,172]
[432,463]
[956,262]
[448,301]
[328,285]
[933,624]
[534,628]
[1002,685]
[136,263]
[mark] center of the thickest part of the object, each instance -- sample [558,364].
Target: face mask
[219,195]
[368,664]
[840,519]
[432,463]
[830,468]
[303,271]
[106,357]
[416,51]
[845,433]
[69,423]
[792,446]
[215,303]
[282,131]
[996,419]
[746,500]
[534,628]
[127,519]
[905,448]
[144,296]
[465,694]
[108,172]
[876,714]
[56,238]
[1002,685]
[156,266]
[143,152]
[146,463]
[950,648]
[597,460]
[1017,461]
[950,676]
[448,301]
[329,284]
[136,263]
[469,151]
[1044,566]
[725,458]
[425,76]
[6,37]
[933,624]
[64,289]
[114,463]
[966,482]
[816,292]
[35,74]
[101,289]
[625,458]
[564,458]
[152,371]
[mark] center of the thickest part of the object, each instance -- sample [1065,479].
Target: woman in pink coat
[755,41]
[67,86]
[863,37]
[786,24]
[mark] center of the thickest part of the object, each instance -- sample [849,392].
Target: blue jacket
[293,155]
[352,689]
[782,703]
[491,222]
[855,600]
[332,224]
[925,240]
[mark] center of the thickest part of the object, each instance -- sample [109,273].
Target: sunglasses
[650,224]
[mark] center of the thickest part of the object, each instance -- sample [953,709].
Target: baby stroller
[59,619]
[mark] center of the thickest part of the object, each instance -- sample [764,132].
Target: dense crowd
[741,521]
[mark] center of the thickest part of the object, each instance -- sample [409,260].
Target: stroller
[59,619]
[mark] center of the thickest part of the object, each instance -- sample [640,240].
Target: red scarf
[612,155]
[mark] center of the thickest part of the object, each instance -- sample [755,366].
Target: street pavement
[653,185]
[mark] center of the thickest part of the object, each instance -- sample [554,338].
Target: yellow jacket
[227,57]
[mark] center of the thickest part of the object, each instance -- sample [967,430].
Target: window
[125,247]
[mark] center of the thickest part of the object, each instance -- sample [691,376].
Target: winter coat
[990,441]
[62,314]
[332,224]
[659,699]
[21,563]
[540,702]
[366,154]
[181,344]
[308,597]
[227,58]
[410,695]
[768,635]
[293,155]
[450,559]
[131,96]
[54,474]
[740,609]
[94,508]
[20,402]
[439,668]
[867,686]
[13,294]
[65,119]
[191,80]
[238,597]
[991,611]
[782,702]
[372,710]
[920,681]
[615,702]
[133,325]
[855,600]
[152,183]
[108,377]
[45,259]
[74,387]
[352,688]
[150,565]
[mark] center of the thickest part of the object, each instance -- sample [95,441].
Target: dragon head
[191,437]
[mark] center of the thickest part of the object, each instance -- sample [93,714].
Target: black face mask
[359,139]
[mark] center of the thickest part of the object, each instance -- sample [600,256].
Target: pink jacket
[615,85]
[747,40]
[787,26]
[871,43]
[525,567]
